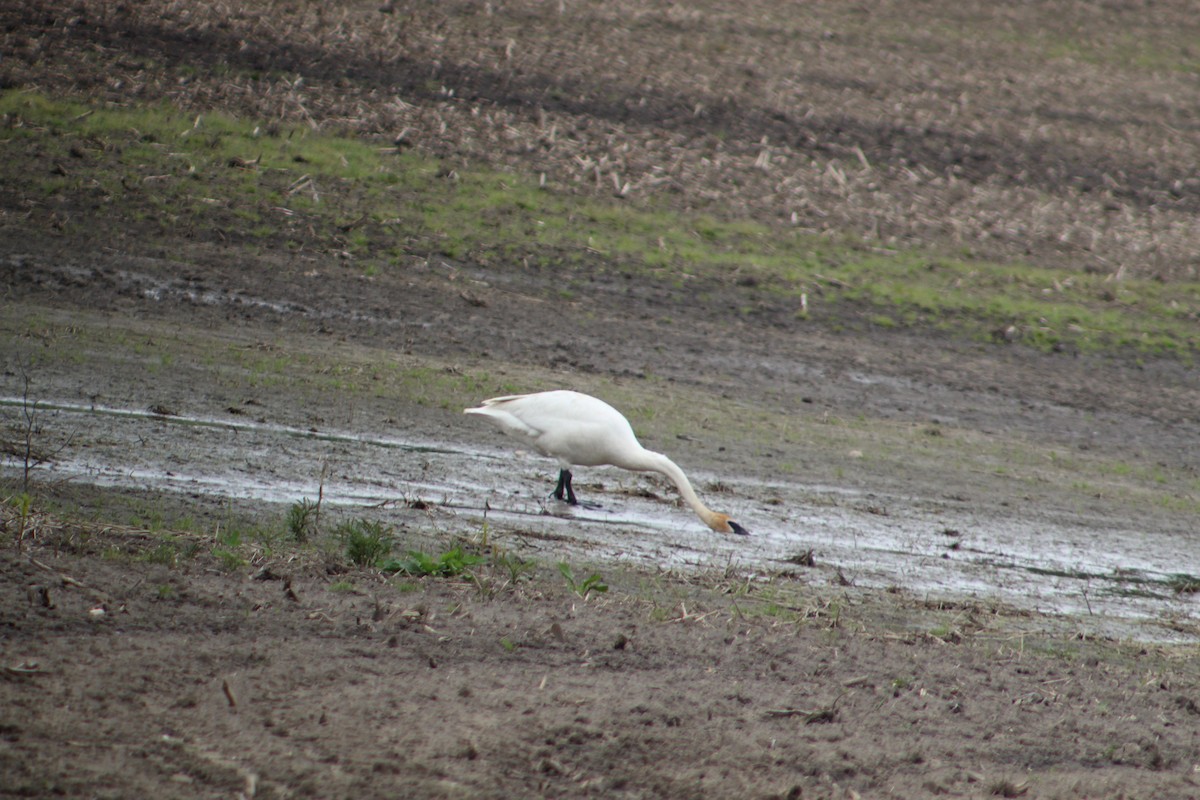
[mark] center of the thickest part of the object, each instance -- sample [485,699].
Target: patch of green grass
[1127,45]
[230,537]
[115,554]
[1045,308]
[274,185]
[944,631]
[777,601]
[166,554]
[773,611]
[1125,50]
[229,558]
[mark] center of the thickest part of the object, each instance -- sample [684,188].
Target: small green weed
[115,554]
[230,537]
[447,565]
[518,568]
[367,543]
[23,503]
[593,583]
[166,554]
[230,559]
[302,519]
[229,548]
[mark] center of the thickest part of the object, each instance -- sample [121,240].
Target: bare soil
[123,677]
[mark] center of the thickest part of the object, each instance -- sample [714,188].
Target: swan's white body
[581,430]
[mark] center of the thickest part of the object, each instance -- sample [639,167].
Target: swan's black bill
[738,529]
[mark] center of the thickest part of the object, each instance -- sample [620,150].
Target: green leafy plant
[367,542]
[302,519]
[447,565]
[228,549]
[593,583]
[518,568]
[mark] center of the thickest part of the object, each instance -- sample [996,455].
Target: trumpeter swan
[584,431]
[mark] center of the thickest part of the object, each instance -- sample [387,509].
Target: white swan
[581,430]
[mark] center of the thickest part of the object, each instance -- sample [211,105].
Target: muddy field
[980,625]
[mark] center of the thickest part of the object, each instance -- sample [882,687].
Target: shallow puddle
[1110,579]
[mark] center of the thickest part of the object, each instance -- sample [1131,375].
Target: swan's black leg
[563,491]
[564,486]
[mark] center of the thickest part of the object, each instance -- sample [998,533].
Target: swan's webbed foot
[564,492]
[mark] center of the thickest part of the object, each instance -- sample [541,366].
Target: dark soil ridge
[973,157]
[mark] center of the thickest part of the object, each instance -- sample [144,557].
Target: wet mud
[1117,580]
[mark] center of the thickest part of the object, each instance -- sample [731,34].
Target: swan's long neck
[650,461]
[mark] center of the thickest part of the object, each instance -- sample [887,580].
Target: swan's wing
[507,414]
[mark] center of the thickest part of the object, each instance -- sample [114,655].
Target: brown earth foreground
[126,675]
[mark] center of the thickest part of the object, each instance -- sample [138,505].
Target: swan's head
[721,523]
